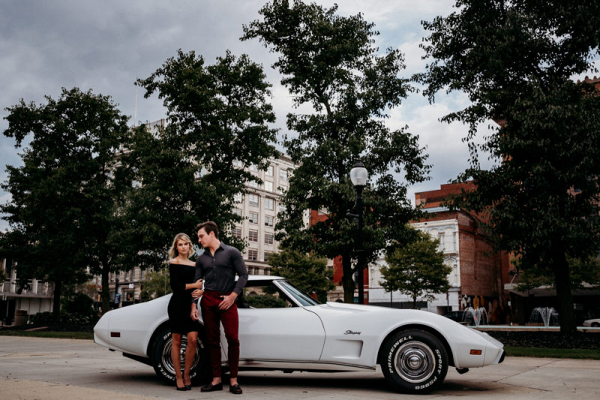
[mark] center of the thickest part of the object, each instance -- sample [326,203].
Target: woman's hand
[198,284]
[197,293]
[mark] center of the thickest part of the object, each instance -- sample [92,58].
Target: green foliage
[216,114]
[64,321]
[80,303]
[156,284]
[265,301]
[64,206]
[515,61]
[329,62]
[582,272]
[309,273]
[417,270]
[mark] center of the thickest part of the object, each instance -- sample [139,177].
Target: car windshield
[298,295]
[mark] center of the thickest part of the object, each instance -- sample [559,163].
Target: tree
[582,272]
[417,270]
[156,284]
[216,115]
[515,61]
[64,198]
[309,273]
[329,62]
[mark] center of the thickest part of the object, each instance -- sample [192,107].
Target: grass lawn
[48,334]
[552,353]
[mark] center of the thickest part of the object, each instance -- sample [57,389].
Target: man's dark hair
[209,227]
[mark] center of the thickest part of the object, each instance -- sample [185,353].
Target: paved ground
[60,369]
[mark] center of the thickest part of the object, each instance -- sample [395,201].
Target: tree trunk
[564,297]
[414,302]
[105,292]
[347,282]
[57,294]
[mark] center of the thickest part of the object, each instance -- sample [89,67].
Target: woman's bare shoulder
[175,261]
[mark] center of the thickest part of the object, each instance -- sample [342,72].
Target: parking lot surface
[60,369]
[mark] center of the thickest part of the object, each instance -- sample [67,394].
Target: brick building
[478,272]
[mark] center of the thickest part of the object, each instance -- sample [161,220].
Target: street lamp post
[359,176]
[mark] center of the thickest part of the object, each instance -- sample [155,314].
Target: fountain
[545,313]
[479,316]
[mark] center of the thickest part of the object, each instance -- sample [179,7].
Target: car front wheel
[163,364]
[414,361]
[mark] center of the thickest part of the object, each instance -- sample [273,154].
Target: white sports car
[284,329]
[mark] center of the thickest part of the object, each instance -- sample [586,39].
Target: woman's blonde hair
[173,250]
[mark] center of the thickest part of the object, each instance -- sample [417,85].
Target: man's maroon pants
[213,317]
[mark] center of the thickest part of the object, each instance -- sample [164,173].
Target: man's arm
[240,269]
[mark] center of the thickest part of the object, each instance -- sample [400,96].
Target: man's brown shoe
[212,388]
[235,389]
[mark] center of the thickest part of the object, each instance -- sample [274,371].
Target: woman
[182,271]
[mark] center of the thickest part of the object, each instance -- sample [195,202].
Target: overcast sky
[106,45]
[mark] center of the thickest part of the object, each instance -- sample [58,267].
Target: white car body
[595,323]
[318,337]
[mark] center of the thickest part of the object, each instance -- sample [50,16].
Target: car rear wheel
[163,364]
[414,361]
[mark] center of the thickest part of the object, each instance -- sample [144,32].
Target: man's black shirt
[219,271]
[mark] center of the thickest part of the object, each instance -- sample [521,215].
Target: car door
[273,328]
[292,334]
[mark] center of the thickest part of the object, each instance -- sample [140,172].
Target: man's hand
[228,301]
[194,314]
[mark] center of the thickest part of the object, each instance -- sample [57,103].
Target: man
[218,266]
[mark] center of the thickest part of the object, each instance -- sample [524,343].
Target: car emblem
[349,332]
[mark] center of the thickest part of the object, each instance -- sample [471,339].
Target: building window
[268,186]
[442,238]
[269,171]
[253,200]
[253,184]
[281,207]
[454,241]
[283,175]
[268,255]
[253,236]
[253,217]
[237,211]
[237,197]
[268,238]
[269,220]
[269,204]
[252,254]
[237,232]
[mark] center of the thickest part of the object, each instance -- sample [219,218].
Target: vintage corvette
[281,328]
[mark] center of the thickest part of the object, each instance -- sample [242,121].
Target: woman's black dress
[180,305]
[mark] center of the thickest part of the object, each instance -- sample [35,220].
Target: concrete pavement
[59,369]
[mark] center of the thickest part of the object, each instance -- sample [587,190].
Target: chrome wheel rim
[414,362]
[167,362]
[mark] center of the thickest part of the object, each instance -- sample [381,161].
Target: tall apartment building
[259,209]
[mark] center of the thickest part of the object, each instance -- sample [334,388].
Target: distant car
[282,328]
[594,323]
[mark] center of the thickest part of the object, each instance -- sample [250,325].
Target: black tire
[163,365]
[414,361]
